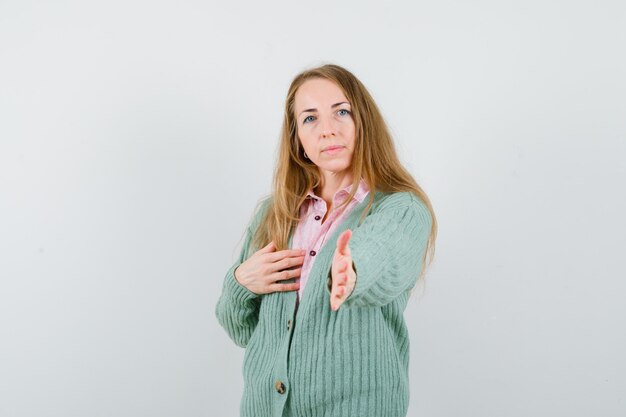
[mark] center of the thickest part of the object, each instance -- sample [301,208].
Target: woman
[318,293]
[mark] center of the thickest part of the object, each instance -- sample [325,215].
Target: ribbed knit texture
[350,362]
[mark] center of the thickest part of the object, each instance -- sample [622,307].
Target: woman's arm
[237,309]
[387,250]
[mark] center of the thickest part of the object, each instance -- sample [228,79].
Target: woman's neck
[332,184]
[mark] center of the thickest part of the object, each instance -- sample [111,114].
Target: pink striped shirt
[311,233]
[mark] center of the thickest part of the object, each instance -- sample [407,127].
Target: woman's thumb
[269,247]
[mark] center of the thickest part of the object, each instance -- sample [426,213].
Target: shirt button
[312,253]
[288,324]
[280,387]
[318,217]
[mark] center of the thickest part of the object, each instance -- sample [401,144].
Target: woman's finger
[268,248]
[276,256]
[342,242]
[342,281]
[283,275]
[284,263]
[284,287]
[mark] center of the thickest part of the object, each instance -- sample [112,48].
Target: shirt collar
[340,195]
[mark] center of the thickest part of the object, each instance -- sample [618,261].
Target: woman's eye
[346,111]
[305,119]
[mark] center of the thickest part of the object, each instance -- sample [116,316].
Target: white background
[136,137]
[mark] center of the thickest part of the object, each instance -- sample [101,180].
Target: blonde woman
[318,293]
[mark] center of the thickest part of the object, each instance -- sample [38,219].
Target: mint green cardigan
[318,362]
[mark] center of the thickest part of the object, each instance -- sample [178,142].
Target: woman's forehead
[318,92]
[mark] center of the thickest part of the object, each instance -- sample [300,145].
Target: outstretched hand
[342,273]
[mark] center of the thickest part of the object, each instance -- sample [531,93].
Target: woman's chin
[335,166]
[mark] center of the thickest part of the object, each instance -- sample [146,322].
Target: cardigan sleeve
[237,308]
[388,250]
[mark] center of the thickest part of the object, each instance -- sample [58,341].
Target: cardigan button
[318,217]
[312,253]
[280,387]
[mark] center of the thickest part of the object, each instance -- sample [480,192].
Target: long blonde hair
[374,159]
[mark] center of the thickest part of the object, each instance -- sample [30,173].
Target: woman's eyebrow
[334,105]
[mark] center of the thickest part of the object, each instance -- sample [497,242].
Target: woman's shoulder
[399,200]
[404,205]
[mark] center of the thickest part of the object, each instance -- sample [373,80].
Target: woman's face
[324,121]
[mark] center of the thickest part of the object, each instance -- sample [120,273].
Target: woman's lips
[333,149]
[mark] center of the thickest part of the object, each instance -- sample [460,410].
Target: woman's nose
[327,128]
